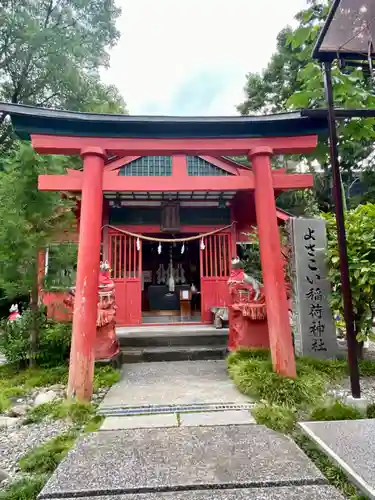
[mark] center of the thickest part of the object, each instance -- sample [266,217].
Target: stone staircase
[171,343]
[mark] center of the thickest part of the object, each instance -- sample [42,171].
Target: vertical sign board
[314,329]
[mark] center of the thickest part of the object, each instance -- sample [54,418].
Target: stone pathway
[351,444]
[179,431]
[181,393]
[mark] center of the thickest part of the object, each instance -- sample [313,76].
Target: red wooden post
[82,356]
[272,266]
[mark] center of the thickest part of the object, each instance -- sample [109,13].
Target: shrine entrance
[107,143]
[164,282]
[170,281]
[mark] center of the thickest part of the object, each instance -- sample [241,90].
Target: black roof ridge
[26,109]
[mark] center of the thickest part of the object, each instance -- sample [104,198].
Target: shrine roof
[29,120]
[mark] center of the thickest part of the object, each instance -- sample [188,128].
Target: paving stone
[139,422]
[239,417]
[281,493]
[179,382]
[157,459]
[351,444]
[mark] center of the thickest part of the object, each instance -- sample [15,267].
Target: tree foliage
[292,80]
[50,53]
[29,219]
[360,234]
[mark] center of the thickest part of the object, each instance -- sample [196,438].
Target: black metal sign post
[340,222]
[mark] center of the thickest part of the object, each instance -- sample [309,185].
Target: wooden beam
[172,184]
[220,164]
[116,183]
[60,183]
[67,145]
[119,162]
[292,181]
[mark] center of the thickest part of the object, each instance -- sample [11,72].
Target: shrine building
[162,200]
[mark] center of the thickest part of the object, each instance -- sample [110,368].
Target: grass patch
[45,458]
[16,383]
[366,368]
[255,378]
[105,376]
[246,354]
[35,377]
[336,411]
[94,424]
[24,489]
[4,403]
[277,417]
[251,370]
[371,411]
[76,412]
[334,475]
[330,369]
[38,413]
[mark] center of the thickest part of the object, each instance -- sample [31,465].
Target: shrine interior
[166,298]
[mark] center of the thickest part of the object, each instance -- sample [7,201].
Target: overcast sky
[179,57]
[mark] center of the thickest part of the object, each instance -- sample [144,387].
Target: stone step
[172,336]
[172,353]
[148,461]
[313,492]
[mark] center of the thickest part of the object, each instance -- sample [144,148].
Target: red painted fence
[215,270]
[126,264]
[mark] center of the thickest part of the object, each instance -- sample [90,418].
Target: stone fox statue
[247,304]
[107,344]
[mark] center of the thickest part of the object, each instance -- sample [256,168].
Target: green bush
[277,417]
[15,336]
[54,344]
[335,411]
[54,339]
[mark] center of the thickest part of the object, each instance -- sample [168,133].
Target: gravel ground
[16,441]
[367,388]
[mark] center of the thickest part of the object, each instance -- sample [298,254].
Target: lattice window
[148,166]
[199,167]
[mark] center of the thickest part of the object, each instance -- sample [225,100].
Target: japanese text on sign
[314,295]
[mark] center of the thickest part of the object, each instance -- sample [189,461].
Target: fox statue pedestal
[107,345]
[247,311]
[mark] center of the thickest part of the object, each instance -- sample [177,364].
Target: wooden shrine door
[215,269]
[126,264]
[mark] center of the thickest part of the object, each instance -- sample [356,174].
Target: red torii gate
[67,133]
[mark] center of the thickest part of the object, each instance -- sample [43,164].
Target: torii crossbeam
[98,138]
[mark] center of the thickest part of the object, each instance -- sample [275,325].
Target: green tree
[29,221]
[292,80]
[51,50]
[360,234]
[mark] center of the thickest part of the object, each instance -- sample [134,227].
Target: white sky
[190,57]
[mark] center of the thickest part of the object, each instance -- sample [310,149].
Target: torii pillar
[279,330]
[82,354]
